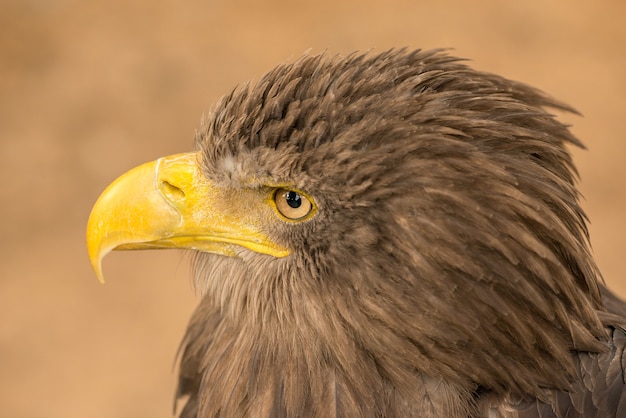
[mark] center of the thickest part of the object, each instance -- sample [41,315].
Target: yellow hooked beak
[168,203]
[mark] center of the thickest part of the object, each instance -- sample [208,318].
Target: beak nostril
[170,191]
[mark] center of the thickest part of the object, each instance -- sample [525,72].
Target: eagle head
[370,232]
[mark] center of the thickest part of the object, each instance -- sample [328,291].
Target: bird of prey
[380,235]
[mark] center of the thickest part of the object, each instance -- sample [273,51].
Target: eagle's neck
[248,371]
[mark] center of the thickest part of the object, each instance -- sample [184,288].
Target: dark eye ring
[292,204]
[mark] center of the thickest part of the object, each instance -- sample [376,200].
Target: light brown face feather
[444,247]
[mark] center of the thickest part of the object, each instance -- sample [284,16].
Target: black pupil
[293,199]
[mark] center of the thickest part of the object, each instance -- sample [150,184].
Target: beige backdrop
[89,89]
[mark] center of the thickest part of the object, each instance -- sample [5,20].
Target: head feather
[450,250]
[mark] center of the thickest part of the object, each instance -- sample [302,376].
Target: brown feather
[446,274]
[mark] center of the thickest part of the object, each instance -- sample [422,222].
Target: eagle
[390,234]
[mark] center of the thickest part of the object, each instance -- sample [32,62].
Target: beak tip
[96,254]
[96,265]
[100,276]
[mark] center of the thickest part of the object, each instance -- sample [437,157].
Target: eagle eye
[292,205]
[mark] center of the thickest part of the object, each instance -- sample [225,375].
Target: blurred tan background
[90,89]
